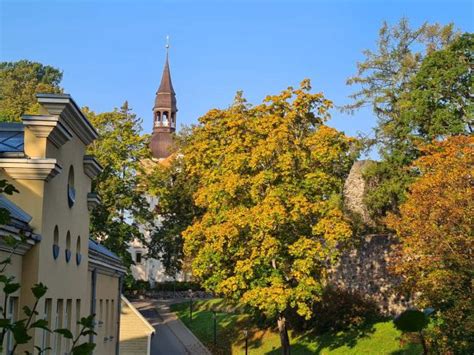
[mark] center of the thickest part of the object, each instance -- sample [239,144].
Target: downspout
[119,312]
[93,300]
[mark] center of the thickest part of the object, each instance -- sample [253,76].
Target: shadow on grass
[409,349]
[328,341]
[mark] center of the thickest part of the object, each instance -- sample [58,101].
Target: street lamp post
[190,304]
[214,316]
[246,335]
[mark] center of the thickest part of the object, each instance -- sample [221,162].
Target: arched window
[56,243]
[157,119]
[68,247]
[165,118]
[71,190]
[78,250]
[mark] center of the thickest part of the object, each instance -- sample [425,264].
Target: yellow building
[44,157]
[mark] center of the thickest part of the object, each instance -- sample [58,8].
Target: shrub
[337,310]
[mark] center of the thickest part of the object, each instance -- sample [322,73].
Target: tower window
[138,257]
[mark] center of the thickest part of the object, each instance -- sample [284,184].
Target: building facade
[45,158]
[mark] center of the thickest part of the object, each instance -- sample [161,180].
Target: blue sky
[111,51]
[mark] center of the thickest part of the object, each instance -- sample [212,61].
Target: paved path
[171,337]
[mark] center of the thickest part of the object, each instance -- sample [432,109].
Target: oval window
[78,251]
[71,190]
[56,243]
[68,247]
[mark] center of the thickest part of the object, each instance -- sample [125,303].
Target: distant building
[44,158]
[161,146]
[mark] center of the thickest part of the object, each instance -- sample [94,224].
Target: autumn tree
[396,81]
[435,258]
[120,149]
[19,82]
[270,179]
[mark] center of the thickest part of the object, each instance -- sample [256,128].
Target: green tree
[120,149]
[270,180]
[406,81]
[174,189]
[20,81]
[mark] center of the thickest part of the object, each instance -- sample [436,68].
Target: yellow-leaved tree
[270,185]
[435,257]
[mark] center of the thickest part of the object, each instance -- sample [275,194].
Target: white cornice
[30,169]
[93,200]
[48,126]
[92,168]
[104,267]
[65,107]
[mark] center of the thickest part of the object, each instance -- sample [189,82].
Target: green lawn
[379,338]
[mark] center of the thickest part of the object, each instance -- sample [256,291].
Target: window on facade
[106,321]
[71,190]
[78,250]
[56,243]
[58,323]
[46,336]
[68,247]
[101,313]
[78,316]
[12,309]
[68,320]
[112,319]
[138,257]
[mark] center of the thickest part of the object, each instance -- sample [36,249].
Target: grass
[379,338]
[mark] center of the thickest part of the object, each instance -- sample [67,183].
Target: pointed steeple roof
[165,96]
[166,86]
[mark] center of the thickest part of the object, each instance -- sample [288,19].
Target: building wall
[69,289]
[12,270]
[47,203]
[107,315]
[134,332]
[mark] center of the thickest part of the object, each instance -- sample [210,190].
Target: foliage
[338,310]
[270,179]
[120,149]
[435,226]
[22,328]
[140,287]
[411,320]
[414,82]
[174,190]
[20,81]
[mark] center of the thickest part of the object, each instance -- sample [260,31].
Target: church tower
[164,115]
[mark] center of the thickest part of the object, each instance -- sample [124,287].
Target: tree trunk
[423,343]
[285,340]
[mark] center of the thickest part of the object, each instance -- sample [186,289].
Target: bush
[337,310]
[177,286]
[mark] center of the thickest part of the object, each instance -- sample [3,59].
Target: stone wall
[363,268]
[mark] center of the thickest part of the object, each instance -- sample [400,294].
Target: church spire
[164,114]
[166,86]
